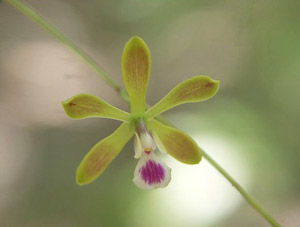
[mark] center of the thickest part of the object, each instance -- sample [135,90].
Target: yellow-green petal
[85,106]
[101,155]
[136,63]
[175,142]
[196,89]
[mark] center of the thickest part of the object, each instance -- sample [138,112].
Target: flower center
[145,137]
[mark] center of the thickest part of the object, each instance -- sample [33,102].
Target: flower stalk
[35,16]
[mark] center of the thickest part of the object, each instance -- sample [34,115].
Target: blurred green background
[251,127]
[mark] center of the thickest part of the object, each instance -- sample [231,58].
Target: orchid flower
[149,133]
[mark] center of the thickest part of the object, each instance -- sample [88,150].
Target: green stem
[32,14]
[238,187]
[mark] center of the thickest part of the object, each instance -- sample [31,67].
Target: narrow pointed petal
[196,89]
[86,106]
[137,147]
[101,155]
[151,172]
[136,63]
[176,143]
[158,143]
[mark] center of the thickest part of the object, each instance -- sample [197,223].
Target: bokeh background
[251,127]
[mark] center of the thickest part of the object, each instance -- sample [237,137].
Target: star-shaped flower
[149,133]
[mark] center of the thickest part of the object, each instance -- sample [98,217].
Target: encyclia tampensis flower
[148,132]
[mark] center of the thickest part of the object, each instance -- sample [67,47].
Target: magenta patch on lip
[152,172]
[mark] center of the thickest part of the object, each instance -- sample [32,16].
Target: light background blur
[251,126]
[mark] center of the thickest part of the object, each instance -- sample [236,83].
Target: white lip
[198,194]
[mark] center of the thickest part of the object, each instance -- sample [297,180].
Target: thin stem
[35,16]
[32,14]
[238,187]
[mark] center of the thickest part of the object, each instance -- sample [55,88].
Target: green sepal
[101,155]
[85,106]
[175,142]
[136,64]
[196,89]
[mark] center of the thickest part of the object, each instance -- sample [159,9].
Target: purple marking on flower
[152,172]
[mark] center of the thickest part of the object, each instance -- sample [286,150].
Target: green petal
[136,63]
[84,106]
[175,142]
[196,89]
[101,155]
